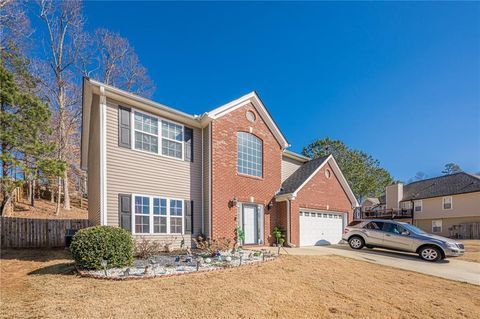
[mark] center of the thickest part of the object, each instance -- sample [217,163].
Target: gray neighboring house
[439,205]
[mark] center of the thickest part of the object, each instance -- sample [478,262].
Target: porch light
[233,202]
[270,205]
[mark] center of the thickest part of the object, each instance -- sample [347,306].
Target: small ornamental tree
[92,245]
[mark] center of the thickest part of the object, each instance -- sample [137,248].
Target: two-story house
[444,205]
[167,175]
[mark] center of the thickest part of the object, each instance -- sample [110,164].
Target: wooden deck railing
[387,214]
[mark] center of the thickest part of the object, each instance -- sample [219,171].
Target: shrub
[145,248]
[90,245]
[212,246]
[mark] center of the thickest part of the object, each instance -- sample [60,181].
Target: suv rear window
[374,225]
[354,223]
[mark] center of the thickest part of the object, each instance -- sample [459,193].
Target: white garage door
[321,228]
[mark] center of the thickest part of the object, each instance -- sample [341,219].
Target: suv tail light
[346,230]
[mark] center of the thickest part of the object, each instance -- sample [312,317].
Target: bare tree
[14,24]
[117,64]
[64,23]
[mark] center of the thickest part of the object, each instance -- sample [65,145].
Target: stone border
[86,274]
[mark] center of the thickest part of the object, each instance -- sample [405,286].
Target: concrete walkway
[450,268]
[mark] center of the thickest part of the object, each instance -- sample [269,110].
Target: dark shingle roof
[453,184]
[294,181]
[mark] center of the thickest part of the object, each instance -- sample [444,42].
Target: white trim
[443,202]
[253,98]
[103,157]
[159,134]
[295,156]
[151,215]
[331,160]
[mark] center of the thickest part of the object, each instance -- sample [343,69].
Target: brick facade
[227,183]
[320,193]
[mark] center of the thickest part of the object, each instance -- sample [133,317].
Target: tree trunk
[32,193]
[66,193]
[59,196]
[6,205]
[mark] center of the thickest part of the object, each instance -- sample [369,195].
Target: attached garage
[321,227]
[315,203]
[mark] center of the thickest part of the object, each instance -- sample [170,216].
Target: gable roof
[254,99]
[295,182]
[454,184]
[373,200]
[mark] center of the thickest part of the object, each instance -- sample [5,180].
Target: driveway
[451,268]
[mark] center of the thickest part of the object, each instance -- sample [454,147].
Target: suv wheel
[356,242]
[430,253]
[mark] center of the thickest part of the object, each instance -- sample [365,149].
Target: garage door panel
[320,228]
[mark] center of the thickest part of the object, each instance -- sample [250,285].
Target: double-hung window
[249,154]
[437,226]
[176,213]
[447,202]
[149,137]
[172,139]
[142,214]
[157,215]
[418,206]
[146,132]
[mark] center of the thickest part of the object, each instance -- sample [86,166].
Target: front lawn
[41,284]
[472,250]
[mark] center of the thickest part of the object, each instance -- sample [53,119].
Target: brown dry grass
[472,250]
[40,284]
[45,210]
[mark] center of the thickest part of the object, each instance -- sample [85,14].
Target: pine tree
[24,126]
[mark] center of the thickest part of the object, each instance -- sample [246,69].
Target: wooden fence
[466,231]
[36,233]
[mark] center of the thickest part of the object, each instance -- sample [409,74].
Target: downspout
[103,156]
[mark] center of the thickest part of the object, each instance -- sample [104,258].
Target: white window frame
[441,226]
[151,197]
[443,202]
[159,134]
[261,159]
[415,202]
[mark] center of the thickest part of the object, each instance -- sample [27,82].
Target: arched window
[249,154]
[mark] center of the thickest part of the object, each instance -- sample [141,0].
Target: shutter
[188,216]
[125,211]
[188,139]
[124,127]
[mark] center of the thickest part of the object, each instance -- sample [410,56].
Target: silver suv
[400,236]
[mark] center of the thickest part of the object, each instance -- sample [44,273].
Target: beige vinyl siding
[134,172]
[463,205]
[447,223]
[94,163]
[206,180]
[289,166]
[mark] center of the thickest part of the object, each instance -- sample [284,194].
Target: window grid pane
[175,225]
[176,207]
[249,151]
[142,212]
[171,148]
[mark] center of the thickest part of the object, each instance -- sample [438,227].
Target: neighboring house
[167,175]
[437,205]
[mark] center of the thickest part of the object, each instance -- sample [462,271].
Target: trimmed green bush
[90,245]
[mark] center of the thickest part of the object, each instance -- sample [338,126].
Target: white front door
[250,224]
[321,227]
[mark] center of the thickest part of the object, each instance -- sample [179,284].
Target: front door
[250,224]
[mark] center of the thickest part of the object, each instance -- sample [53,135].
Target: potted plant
[277,232]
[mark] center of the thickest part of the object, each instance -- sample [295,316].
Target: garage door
[320,228]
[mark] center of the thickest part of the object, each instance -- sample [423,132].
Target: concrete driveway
[451,268]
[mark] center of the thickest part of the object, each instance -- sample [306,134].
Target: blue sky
[400,81]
